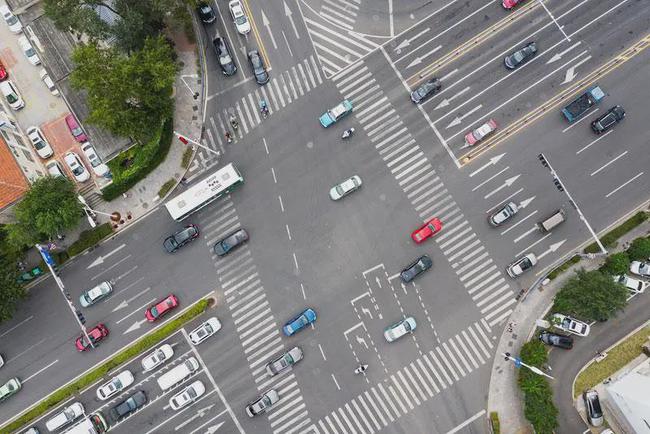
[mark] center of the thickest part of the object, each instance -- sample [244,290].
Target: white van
[550,222]
[178,374]
[65,417]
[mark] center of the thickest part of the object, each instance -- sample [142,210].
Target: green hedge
[90,238]
[187,158]
[610,238]
[563,267]
[166,187]
[89,378]
[494,421]
[538,395]
[142,160]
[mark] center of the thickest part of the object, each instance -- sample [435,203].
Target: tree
[538,396]
[49,207]
[79,15]
[639,250]
[616,264]
[11,292]
[129,96]
[590,295]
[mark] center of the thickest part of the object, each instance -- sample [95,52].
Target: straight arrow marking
[100,259]
[267,24]
[559,55]
[289,15]
[494,160]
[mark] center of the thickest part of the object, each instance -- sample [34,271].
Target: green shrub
[90,238]
[91,377]
[134,164]
[187,158]
[564,266]
[639,250]
[494,420]
[616,264]
[538,396]
[610,238]
[166,187]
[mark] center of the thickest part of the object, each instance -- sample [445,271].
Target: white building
[628,400]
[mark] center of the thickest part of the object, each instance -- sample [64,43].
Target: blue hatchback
[335,113]
[305,318]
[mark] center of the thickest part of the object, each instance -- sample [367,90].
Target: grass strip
[564,266]
[166,187]
[89,378]
[611,237]
[494,421]
[187,158]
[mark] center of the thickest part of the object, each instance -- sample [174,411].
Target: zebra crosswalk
[411,386]
[425,190]
[255,325]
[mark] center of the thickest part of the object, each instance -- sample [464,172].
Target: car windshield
[12,20]
[30,52]
[154,311]
[525,264]
[76,131]
[225,59]
[12,98]
[39,144]
[337,111]
[407,326]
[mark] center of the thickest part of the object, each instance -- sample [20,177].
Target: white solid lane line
[39,371]
[29,318]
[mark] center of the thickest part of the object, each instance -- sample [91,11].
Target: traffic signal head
[558,184]
[542,160]
[80,315]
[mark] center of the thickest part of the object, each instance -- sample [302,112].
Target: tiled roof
[12,181]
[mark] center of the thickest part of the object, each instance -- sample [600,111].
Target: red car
[3,72]
[509,4]
[75,129]
[475,136]
[161,308]
[96,335]
[429,229]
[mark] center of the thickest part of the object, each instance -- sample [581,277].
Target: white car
[503,214]
[521,265]
[634,285]
[187,396]
[11,94]
[263,403]
[346,187]
[48,82]
[99,168]
[12,21]
[640,268]
[92,296]
[28,50]
[571,325]
[76,167]
[399,329]
[54,169]
[118,383]
[159,356]
[43,149]
[239,17]
[205,330]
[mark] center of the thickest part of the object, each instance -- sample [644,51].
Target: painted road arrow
[266,23]
[125,303]
[445,102]
[100,259]
[136,325]
[213,429]
[459,119]
[419,59]
[552,248]
[571,72]
[494,160]
[559,55]
[406,42]
[524,203]
[289,15]
[508,182]
[199,413]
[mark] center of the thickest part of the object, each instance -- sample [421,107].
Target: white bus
[221,182]
[91,424]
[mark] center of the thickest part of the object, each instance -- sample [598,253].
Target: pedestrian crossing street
[411,386]
[330,30]
[405,159]
[283,89]
[255,325]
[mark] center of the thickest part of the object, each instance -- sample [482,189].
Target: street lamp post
[90,213]
[518,363]
[186,140]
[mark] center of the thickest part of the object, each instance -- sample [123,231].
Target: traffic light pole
[560,186]
[518,364]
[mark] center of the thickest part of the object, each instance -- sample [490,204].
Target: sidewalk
[504,395]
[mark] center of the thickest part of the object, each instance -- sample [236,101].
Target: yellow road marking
[257,35]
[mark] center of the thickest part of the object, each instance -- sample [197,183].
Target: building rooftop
[12,182]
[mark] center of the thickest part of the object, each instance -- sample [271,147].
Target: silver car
[592,407]
[346,187]
[263,403]
[521,265]
[76,167]
[503,214]
[95,294]
[399,329]
[205,330]
[283,362]
[188,395]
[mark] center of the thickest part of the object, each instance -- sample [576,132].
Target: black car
[129,405]
[179,239]
[206,13]
[608,120]
[233,240]
[420,265]
[223,54]
[521,56]
[425,90]
[257,63]
[556,340]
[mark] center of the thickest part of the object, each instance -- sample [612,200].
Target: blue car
[335,113]
[305,318]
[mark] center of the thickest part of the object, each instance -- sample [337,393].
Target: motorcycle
[347,133]
[361,369]
[264,109]
[234,124]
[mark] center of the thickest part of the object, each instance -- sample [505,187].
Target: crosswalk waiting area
[412,385]
[470,260]
[254,323]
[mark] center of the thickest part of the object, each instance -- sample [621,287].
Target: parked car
[429,229]
[96,335]
[157,357]
[285,361]
[187,396]
[75,129]
[608,120]
[414,269]
[503,214]
[28,50]
[129,405]
[556,340]
[77,167]
[9,388]
[54,169]
[226,62]
[263,403]
[11,94]
[640,268]
[634,285]
[96,294]
[230,242]
[475,136]
[45,77]
[399,329]
[303,319]
[509,4]
[43,149]
[181,238]
[12,21]
[425,90]
[570,325]
[335,113]
[346,187]
[239,17]
[592,407]
[99,168]
[206,13]
[205,330]
[161,308]
[258,67]
[521,265]
[521,56]
[3,72]
[116,384]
